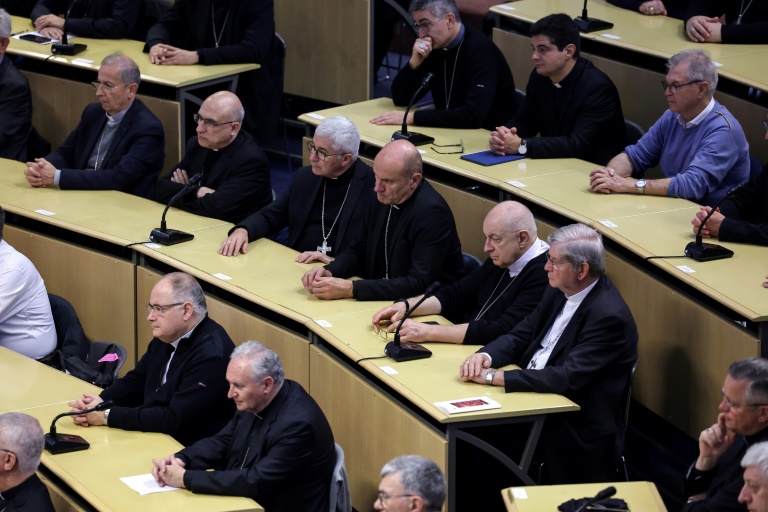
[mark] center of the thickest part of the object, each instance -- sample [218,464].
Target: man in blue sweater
[698,144]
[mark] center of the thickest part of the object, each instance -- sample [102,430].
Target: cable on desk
[137,243]
[370,359]
[666,257]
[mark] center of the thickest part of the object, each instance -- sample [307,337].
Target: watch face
[640,183]
[523,149]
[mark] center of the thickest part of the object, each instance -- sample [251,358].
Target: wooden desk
[640,496]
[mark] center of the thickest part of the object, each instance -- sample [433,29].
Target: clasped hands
[704,29]
[88,401]
[50,25]
[167,55]
[169,471]
[606,180]
[320,282]
[475,368]
[40,173]
[504,141]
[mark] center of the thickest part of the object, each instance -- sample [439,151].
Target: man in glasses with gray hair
[21,444]
[179,386]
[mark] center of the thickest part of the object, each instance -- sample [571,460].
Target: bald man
[491,300]
[235,170]
[407,241]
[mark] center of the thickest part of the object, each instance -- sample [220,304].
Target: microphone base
[170,236]
[417,139]
[64,443]
[406,351]
[67,48]
[707,252]
[587,25]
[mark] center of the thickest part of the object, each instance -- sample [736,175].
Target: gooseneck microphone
[65,47]
[709,252]
[408,351]
[587,24]
[165,236]
[63,443]
[601,496]
[417,139]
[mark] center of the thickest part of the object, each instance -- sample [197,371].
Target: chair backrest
[755,167]
[340,499]
[99,348]
[624,418]
[71,338]
[471,263]
[281,51]
[634,131]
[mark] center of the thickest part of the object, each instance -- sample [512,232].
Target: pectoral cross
[325,249]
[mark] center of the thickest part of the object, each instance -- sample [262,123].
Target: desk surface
[640,496]
[172,76]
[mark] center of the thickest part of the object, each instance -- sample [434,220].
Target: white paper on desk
[145,484]
[35,33]
[477,403]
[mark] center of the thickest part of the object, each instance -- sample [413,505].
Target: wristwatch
[489,377]
[523,148]
[640,184]
[106,418]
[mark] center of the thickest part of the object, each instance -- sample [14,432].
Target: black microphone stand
[601,496]
[417,139]
[65,47]
[63,443]
[709,252]
[165,236]
[408,351]
[587,24]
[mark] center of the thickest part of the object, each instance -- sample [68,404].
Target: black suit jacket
[102,19]
[240,179]
[591,364]
[193,403]
[29,496]
[286,464]
[746,213]
[424,247]
[15,112]
[292,208]
[132,163]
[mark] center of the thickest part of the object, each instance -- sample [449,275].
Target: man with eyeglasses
[573,106]
[324,203]
[411,483]
[472,85]
[580,342]
[21,444]
[178,386]
[119,144]
[715,479]
[235,170]
[698,144]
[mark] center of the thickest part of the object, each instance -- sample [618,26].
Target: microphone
[65,47]
[165,236]
[601,496]
[417,139]
[408,351]
[587,24]
[709,252]
[64,443]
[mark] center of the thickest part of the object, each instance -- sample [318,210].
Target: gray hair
[437,8]
[755,370]
[343,134]
[187,289]
[5,24]
[420,476]
[264,362]
[757,455]
[700,67]
[22,435]
[579,244]
[129,70]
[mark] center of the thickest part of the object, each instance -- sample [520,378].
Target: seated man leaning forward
[411,483]
[407,240]
[277,450]
[118,145]
[698,144]
[573,106]
[754,494]
[580,342]
[235,171]
[472,85]
[491,300]
[324,202]
[178,387]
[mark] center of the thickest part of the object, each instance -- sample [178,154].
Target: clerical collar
[115,119]
[536,248]
[456,40]
[11,493]
[699,118]
[576,298]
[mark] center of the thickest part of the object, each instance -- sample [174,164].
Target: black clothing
[675,8]
[31,495]
[15,112]
[102,19]
[746,213]
[754,25]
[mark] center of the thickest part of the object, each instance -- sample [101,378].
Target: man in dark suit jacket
[122,150]
[15,101]
[178,387]
[407,241]
[573,106]
[714,480]
[235,170]
[580,342]
[324,203]
[278,449]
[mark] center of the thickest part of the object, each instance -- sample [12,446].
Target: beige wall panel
[100,287]
[684,349]
[469,211]
[364,421]
[517,50]
[544,229]
[61,502]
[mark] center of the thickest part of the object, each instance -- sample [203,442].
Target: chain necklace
[325,249]
[217,38]
[743,11]
[98,148]
[386,242]
[448,91]
[487,306]
[550,343]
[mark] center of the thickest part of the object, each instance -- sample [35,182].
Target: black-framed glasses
[674,88]
[197,118]
[161,309]
[732,405]
[322,154]
[427,24]
[555,264]
[386,497]
[105,86]
[460,145]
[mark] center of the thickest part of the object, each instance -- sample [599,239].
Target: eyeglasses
[732,405]
[159,309]
[459,145]
[381,332]
[386,497]
[427,24]
[555,264]
[106,86]
[322,154]
[210,123]
[674,88]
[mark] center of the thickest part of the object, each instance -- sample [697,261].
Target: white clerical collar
[699,118]
[115,119]
[536,248]
[577,298]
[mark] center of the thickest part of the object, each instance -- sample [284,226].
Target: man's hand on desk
[392,117]
[325,287]
[167,55]
[411,330]
[236,243]
[40,173]
[653,8]
[475,367]
[504,141]
[88,401]
[607,180]
[169,471]
[392,314]
[49,20]
[313,256]
[52,32]
[703,29]
[712,228]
